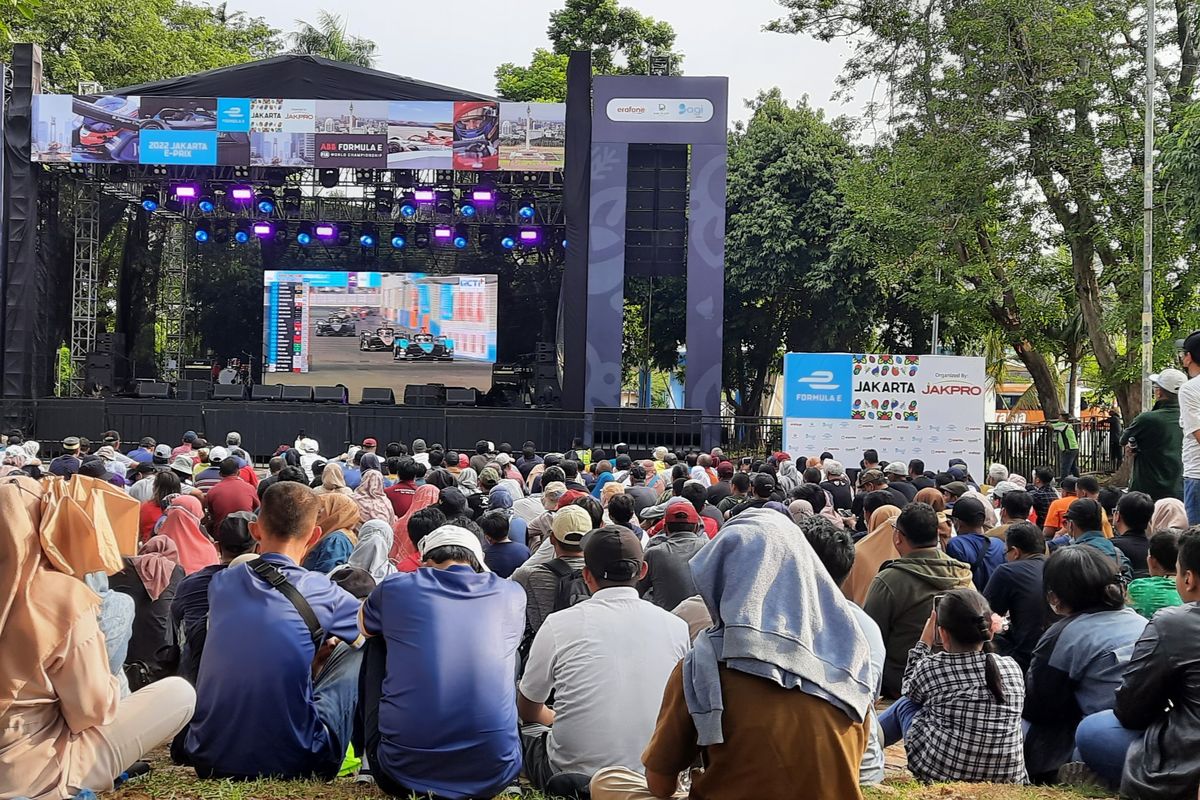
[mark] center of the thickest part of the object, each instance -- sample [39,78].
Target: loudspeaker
[378,396]
[193,390]
[302,393]
[235,391]
[272,392]
[459,396]
[329,394]
[153,389]
[110,341]
[432,395]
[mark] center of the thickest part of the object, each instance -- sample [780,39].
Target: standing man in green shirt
[1068,445]
[1155,441]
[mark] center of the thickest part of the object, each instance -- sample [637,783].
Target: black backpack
[571,587]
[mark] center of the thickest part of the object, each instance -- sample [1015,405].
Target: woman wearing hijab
[370,463]
[63,724]
[403,554]
[372,502]
[937,501]
[871,552]
[990,520]
[333,481]
[151,578]
[776,692]
[182,525]
[468,481]
[1169,512]
[338,519]
[371,553]
[800,509]
[501,500]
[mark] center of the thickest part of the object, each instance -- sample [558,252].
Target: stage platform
[265,425]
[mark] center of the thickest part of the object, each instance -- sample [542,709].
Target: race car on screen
[337,325]
[381,339]
[423,347]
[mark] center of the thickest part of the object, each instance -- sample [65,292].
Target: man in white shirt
[1189,420]
[607,660]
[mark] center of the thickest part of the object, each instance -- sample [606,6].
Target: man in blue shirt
[1083,522]
[447,715]
[970,545]
[144,452]
[259,710]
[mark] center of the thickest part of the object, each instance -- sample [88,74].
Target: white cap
[1172,380]
[503,459]
[452,536]
[896,468]
[216,454]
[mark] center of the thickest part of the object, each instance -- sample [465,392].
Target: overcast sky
[460,44]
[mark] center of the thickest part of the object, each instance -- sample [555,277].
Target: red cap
[681,511]
[369,442]
[570,497]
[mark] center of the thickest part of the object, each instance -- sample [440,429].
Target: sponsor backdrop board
[927,407]
[261,131]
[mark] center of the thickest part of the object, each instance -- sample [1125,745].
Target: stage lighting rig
[462,235]
[421,236]
[185,192]
[220,231]
[304,234]
[238,197]
[203,232]
[385,199]
[150,199]
[445,203]
[243,232]
[291,201]
[508,238]
[442,234]
[487,238]
[467,209]
[527,208]
[408,206]
[399,237]
[206,204]
[265,202]
[263,229]
[530,237]
[328,177]
[368,236]
[325,231]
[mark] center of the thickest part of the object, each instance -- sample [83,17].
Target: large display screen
[362,329]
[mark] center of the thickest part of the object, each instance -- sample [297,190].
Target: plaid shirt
[962,733]
[1042,496]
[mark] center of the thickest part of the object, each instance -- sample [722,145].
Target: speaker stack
[429,395]
[107,369]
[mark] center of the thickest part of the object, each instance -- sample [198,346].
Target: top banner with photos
[281,132]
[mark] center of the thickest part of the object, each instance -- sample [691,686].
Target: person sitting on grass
[271,700]
[1147,742]
[960,716]
[1148,595]
[439,711]
[1015,590]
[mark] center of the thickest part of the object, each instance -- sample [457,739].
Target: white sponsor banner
[659,109]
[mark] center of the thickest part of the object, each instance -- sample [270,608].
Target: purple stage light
[263,229]
[530,236]
[325,231]
[443,232]
[483,195]
[425,195]
[241,194]
[187,192]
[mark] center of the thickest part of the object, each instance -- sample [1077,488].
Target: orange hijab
[870,553]
[182,526]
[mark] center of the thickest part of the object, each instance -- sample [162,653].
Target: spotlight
[530,237]
[443,234]
[243,233]
[343,236]
[503,205]
[265,202]
[527,209]
[236,197]
[150,199]
[368,236]
[421,236]
[203,232]
[325,230]
[408,206]
[399,237]
[304,235]
[425,195]
[281,233]
[263,229]
[206,204]
[291,201]
[220,231]
[508,238]
[467,210]
[186,192]
[486,238]
[461,235]
[329,177]
[483,195]
[364,177]
[384,200]
[445,203]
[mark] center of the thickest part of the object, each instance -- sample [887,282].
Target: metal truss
[171,303]
[85,288]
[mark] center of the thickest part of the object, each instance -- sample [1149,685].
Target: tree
[1029,108]
[621,41]
[125,42]
[329,39]
[22,8]
[797,275]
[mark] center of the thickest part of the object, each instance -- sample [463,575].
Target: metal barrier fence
[1024,447]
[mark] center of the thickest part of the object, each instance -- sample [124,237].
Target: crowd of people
[446,622]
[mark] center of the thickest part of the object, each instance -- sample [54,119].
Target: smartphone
[937,636]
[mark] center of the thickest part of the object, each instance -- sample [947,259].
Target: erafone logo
[954,388]
[819,379]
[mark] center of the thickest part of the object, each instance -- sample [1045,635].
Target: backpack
[571,586]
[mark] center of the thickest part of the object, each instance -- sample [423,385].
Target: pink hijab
[1169,512]
[402,546]
[372,502]
[155,563]
[182,526]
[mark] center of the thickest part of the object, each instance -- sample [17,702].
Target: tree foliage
[1016,128]
[329,39]
[125,42]
[621,41]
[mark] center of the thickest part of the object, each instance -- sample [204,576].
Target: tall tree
[621,41]
[797,276]
[329,39]
[1032,108]
[124,42]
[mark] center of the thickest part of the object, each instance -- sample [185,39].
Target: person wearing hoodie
[900,597]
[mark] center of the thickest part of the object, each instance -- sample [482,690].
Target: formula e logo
[819,379]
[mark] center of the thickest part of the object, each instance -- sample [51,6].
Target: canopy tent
[296,75]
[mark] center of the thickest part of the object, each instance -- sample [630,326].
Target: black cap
[1083,509]
[969,510]
[1190,345]
[147,441]
[612,553]
[233,534]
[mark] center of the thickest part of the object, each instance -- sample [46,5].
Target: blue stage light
[201,235]
[460,242]
[526,212]
[367,240]
[466,210]
[508,242]
[304,239]
[398,242]
[206,205]
[242,236]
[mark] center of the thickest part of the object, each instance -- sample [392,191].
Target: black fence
[1023,447]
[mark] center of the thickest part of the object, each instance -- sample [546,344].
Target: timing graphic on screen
[363,329]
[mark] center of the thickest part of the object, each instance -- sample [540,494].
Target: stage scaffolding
[171,305]
[85,281]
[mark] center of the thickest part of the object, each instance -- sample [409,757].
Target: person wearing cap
[230,494]
[529,459]
[144,452]
[1154,440]
[263,707]
[837,484]
[211,475]
[233,443]
[186,447]
[873,480]
[538,536]
[668,580]
[69,462]
[971,545]
[1189,424]
[900,596]
[540,580]
[1067,442]
[439,710]
[607,660]
[1083,522]
[896,473]
[189,609]
[1013,504]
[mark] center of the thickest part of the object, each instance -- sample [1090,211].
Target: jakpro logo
[819,379]
[965,389]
